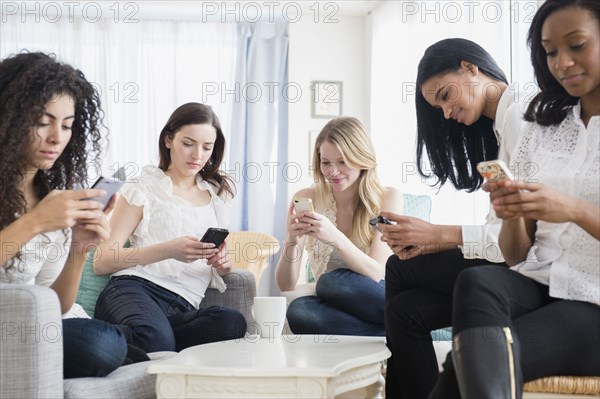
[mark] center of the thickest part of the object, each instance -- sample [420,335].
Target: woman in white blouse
[158,283]
[541,317]
[466,113]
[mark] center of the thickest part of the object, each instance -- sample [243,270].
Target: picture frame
[327,99]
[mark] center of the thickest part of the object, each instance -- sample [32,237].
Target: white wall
[324,51]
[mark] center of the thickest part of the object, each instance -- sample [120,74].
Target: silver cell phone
[379,219]
[494,171]
[303,205]
[111,187]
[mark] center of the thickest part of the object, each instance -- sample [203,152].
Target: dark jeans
[419,300]
[91,348]
[556,337]
[346,303]
[156,319]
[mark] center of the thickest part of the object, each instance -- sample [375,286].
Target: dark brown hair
[197,114]
[28,81]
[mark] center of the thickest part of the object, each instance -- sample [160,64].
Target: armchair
[31,355]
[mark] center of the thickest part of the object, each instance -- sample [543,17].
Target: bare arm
[516,238]
[113,257]
[288,268]
[373,264]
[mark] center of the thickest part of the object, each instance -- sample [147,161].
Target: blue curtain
[258,143]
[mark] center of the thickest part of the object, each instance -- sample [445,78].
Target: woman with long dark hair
[466,113]
[50,120]
[541,318]
[158,283]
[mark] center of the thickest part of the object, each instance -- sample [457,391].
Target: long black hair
[551,105]
[453,148]
[197,114]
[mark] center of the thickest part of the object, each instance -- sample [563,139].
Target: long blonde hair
[352,140]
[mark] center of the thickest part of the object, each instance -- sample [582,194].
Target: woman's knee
[474,283]
[153,338]
[301,314]
[234,323]
[92,348]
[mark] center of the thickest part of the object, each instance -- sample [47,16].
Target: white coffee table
[293,366]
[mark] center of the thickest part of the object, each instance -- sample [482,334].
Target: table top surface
[290,355]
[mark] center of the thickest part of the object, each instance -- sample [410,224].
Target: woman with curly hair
[49,120]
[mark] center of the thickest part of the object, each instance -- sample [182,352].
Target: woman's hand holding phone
[221,260]
[188,249]
[533,201]
[62,209]
[411,237]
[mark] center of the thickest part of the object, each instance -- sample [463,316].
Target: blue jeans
[347,303]
[91,348]
[156,319]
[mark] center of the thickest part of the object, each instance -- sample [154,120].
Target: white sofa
[31,355]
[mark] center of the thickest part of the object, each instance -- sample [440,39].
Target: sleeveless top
[324,257]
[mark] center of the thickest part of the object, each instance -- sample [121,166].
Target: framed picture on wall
[326,99]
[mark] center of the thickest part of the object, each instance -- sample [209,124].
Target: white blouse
[481,241]
[42,260]
[565,157]
[166,217]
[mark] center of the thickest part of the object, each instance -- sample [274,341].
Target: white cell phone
[494,171]
[111,186]
[303,205]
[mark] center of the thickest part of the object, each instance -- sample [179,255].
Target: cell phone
[379,219]
[111,186]
[215,235]
[494,171]
[303,205]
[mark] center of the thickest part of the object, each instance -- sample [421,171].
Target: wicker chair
[561,385]
[251,251]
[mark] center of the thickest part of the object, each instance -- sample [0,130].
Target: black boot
[446,386]
[487,363]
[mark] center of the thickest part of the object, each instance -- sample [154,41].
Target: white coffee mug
[269,312]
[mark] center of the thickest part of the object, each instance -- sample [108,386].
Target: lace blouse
[565,157]
[42,260]
[322,256]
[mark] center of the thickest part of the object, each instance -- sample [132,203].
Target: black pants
[556,337]
[418,300]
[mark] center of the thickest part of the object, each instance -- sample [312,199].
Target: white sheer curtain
[401,31]
[144,71]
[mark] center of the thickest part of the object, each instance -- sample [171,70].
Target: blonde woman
[347,257]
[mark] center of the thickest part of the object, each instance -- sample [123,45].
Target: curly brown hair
[28,81]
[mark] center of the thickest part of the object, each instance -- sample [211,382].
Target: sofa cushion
[90,286]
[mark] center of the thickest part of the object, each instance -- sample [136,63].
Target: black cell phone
[379,219]
[110,186]
[215,235]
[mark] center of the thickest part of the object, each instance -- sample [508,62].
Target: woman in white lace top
[158,284]
[541,317]
[347,256]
